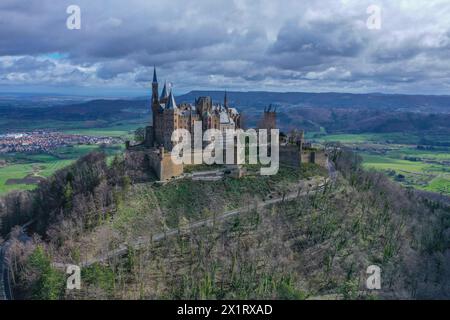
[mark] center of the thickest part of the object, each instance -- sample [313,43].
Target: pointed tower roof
[164,93]
[155,80]
[171,103]
[225,100]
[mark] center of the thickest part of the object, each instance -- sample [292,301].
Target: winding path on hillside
[5,280]
[311,188]
[2,282]
[5,288]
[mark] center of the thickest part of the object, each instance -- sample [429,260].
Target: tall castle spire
[164,93]
[171,104]
[155,94]
[155,80]
[225,100]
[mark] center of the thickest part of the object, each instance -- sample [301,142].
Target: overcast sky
[298,45]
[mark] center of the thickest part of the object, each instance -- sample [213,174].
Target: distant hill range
[425,103]
[342,112]
[336,112]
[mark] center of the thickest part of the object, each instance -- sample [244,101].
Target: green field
[387,163]
[119,129]
[20,171]
[17,171]
[422,154]
[21,166]
[420,175]
[398,155]
[50,167]
[387,138]
[101,128]
[344,138]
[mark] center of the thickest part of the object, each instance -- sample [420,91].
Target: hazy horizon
[145,94]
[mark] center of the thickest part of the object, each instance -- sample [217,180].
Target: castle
[169,116]
[269,119]
[294,150]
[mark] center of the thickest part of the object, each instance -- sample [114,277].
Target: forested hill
[425,103]
[336,112]
[317,245]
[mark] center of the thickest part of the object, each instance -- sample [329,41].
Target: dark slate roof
[154,75]
[171,103]
[164,93]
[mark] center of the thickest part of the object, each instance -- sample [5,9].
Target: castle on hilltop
[168,116]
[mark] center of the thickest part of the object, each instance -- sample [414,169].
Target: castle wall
[157,125]
[290,155]
[163,166]
[168,169]
[149,136]
[321,158]
[318,157]
[154,161]
[308,156]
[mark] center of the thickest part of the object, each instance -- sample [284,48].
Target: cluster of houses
[45,141]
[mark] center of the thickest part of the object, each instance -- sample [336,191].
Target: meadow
[122,129]
[400,157]
[23,171]
[405,138]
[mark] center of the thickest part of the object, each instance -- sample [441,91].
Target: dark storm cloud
[240,44]
[27,64]
[320,38]
[113,68]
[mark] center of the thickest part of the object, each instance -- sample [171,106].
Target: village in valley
[46,141]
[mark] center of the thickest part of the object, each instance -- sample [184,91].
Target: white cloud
[241,44]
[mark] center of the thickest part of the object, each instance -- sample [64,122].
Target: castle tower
[269,120]
[155,93]
[155,103]
[164,94]
[301,140]
[225,101]
[171,104]
[170,121]
[203,104]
